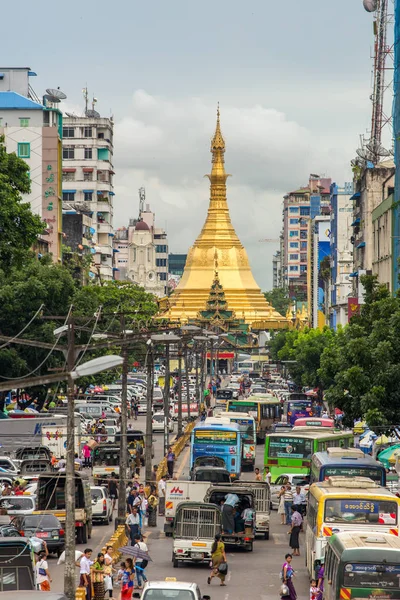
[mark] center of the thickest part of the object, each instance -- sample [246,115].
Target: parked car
[294,480]
[101,504]
[158,422]
[46,527]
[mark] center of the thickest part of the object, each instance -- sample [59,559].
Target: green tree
[279,299]
[19,227]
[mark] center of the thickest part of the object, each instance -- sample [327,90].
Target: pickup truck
[106,460]
[50,499]
[170,588]
[195,527]
[180,491]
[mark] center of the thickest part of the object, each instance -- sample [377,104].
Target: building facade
[298,208]
[276,270]
[318,271]
[383,221]
[373,186]
[87,183]
[341,252]
[32,129]
[141,253]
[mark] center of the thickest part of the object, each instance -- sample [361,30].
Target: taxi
[170,588]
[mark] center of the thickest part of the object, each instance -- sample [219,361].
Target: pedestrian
[42,573]
[170,456]
[154,473]
[287,576]
[138,457]
[132,524]
[281,505]
[85,579]
[127,580]
[314,591]
[320,583]
[140,563]
[267,475]
[299,500]
[218,557]
[228,513]
[108,569]
[257,474]
[62,463]
[7,489]
[120,573]
[98,577]
[113,489]
[288,503]
[152,507]
[294,531]
[131,499]
[161,496]
[86,452]
[141,504]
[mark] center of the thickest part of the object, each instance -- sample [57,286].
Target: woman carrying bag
[219,565]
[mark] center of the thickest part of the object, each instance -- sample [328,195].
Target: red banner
[353,308]
[221,355]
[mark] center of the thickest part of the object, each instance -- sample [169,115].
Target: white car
[170,589]
[111,433]
[142,407]
[8,465]
[18,505]
[158,423]
[294,479]
[101,504]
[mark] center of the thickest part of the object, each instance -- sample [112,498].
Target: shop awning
[353,274]
[68,170]
[361,245]
[355,196]
[356,222]
[87,169]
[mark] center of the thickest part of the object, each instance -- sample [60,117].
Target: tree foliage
[279,299]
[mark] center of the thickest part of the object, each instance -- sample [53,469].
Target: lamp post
[166,339]
[187,331]
[201,340]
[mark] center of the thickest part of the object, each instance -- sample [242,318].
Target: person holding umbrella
[140,563]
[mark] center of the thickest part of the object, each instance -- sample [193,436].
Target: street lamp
[165,339]
[202,341]
[188,331]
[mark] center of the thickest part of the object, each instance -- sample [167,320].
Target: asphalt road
[254,574]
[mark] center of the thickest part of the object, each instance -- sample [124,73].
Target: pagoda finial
[217,143]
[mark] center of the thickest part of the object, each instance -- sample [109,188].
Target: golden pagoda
[218,241]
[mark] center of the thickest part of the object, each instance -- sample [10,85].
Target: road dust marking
[183,463]
[280,538]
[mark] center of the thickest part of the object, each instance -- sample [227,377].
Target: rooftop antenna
[54,95]
[86,96]
[142,198]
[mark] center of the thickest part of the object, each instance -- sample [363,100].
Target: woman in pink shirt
[86,451]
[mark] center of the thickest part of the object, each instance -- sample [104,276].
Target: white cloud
[164,145]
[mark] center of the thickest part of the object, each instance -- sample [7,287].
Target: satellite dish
[93,113]
[362,153]
[56,95]
[370,5]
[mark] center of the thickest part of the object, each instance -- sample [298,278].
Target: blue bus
[219,440]
[350,462]
[296,407]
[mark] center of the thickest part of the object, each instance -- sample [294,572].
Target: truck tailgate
[61,514]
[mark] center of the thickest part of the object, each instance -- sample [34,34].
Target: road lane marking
[183,463]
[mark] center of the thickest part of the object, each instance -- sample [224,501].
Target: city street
[258,571]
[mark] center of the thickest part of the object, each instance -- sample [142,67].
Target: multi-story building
[318,271]
[32,129]
[374,186]
[341,252]
[141,253]
[176,264]
[298,208]
[276,270]
[87,181]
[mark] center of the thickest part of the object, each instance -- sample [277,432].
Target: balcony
[105,249]
[103,206]
[103,227]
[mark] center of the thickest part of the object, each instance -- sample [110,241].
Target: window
[24,122]
[68,196]
[68,176]
[161,262]
[163,276]
[293,256]
[68,152]
[303,268]
[304,211]
[303,245]
[148,254]
[102,176]
[293,244]
[87,132]
[88,176]
[293,209]
[88,153]
[24,149]
[102,153]
[303,257]
[161,248]
[68,132]
[303,235]
[294,233]
[293,221]
[293,268]
[88,196]
[100,136]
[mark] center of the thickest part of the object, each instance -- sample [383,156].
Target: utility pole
[211,358]
[149,414]
[124,430]
[69,572]
[187,380]
[166,401]
[197,376]
[179,433]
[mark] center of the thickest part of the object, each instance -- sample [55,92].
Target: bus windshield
[247,429]
[294,447]
[299,405]
[244,406]
[382,576]
[356,511]
[215,436]
[376,474]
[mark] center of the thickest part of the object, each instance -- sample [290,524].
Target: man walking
[140,563]
[132,525]
[161,496]
[170,456]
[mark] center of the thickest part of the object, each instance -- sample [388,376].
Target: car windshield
[357,510]
[16,503]
[158,418]
[43,521]
[96,495]
[157,594]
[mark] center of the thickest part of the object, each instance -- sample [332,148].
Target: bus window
[280,447]
[351,510]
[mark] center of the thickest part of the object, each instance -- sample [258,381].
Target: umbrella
[338,411]
[389,453]
[136,552]
[382,439]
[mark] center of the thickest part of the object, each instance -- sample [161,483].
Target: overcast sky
[293,79]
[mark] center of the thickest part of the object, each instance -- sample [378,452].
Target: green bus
[265,409]
[287,453]
[362,565]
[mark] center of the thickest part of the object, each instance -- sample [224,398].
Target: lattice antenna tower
[142,198]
